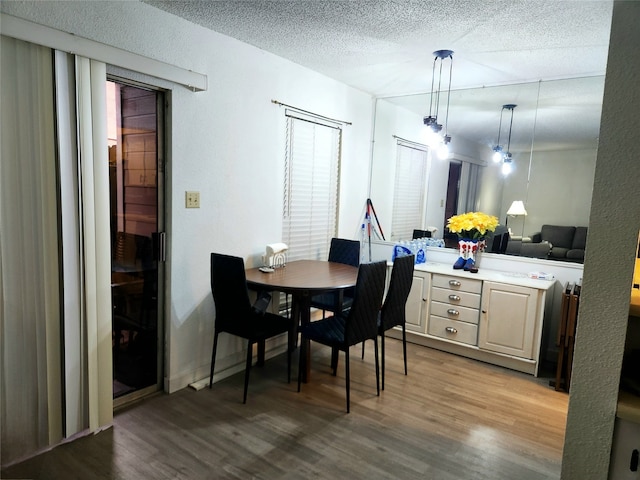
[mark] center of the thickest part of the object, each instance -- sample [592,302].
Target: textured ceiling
[386,48]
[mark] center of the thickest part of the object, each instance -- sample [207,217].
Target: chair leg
[334,360]
[383,355]
[404,348]
[213,356]
[375,348]
[363,350]
[302,363]
[247,370]
[347,378]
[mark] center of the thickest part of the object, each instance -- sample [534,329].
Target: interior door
[136,117]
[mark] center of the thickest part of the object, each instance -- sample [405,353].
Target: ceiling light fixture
[435,139]
[499,155]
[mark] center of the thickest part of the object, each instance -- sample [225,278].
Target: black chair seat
[329,331]
[327,302]
[341,331]
[393,311]
[260,327]
[236,316]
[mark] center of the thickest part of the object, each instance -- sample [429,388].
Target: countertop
[512,278]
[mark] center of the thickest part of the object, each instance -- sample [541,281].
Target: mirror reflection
[553,144]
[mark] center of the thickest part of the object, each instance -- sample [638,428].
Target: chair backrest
[229,288]
[420,234]
[393,310]
[345,251]
[362,321]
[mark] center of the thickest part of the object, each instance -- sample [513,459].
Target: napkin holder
[274,256]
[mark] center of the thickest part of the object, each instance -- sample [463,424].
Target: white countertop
[511,278]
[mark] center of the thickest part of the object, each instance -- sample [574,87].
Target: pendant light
[435,139]
[499,155]
[497,149]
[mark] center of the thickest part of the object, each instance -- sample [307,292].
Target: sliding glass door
[135,119]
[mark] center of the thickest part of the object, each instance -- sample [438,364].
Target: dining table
[303,279]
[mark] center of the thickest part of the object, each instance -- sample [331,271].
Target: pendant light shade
[436,137]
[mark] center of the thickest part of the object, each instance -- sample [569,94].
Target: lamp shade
[517,208]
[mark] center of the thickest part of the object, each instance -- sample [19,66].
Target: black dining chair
[393,311]
[340,331]
[341,250]
[235,314]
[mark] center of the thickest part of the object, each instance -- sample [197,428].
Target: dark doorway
[451,206]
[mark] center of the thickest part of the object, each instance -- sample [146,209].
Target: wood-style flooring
[451,418]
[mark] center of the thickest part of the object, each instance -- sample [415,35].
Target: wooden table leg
[302,303]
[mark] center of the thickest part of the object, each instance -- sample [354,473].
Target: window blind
[409,190]
[312,161]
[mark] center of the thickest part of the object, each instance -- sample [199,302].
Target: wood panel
[451,418]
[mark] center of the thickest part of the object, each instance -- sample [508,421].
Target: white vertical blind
[409,191]
[75,368]
[91,78]
[30,405]
[311,188]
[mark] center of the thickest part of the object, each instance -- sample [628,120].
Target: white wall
[556,189]
[227,143]
[608,270]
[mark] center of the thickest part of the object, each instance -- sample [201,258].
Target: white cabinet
[488,316]
[509,319]
[416,307]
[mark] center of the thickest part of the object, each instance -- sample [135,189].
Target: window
[310,187]
[409,189]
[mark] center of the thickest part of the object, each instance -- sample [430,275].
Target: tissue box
[541,275]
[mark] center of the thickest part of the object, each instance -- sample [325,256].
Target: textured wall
[608,271]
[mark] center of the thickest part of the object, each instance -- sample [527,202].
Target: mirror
[553,143]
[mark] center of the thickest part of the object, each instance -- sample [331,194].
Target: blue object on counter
[400,251]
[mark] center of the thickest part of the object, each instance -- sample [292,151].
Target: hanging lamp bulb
[443,150]
[497,154]
[506,165]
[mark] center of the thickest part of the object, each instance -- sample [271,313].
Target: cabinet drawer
[457,283]
[453,330]
[459,298]
[455,312]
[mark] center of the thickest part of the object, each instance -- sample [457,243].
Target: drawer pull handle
[451,311]
[454,298]
[451,330]
[454,283]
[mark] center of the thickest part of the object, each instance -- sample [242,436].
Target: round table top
[305,276]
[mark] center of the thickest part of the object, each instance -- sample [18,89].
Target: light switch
[192,199]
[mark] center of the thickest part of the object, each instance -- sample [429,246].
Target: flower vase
[475,247]
[463,246]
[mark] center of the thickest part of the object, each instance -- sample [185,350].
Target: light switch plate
[192,199]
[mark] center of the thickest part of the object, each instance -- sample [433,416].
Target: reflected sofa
[566,243]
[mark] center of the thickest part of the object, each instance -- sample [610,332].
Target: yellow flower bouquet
[472,225]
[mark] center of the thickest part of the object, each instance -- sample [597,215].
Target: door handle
[162,246]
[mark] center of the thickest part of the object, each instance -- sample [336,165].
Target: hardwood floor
[450,419]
